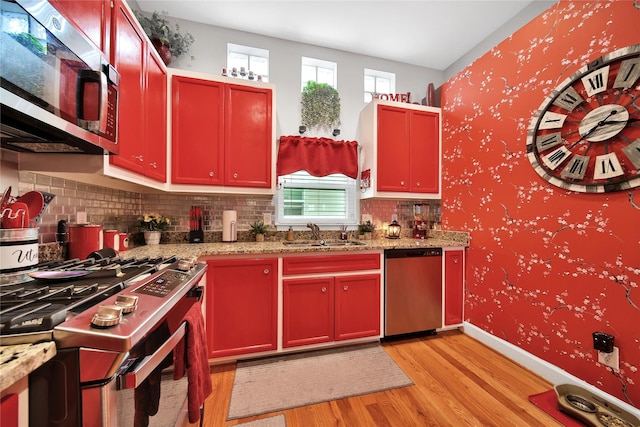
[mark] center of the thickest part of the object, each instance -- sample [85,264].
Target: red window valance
[318,156]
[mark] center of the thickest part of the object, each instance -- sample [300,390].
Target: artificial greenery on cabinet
[320,106]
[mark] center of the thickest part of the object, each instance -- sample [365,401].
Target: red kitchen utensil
[34,201]
[15,215]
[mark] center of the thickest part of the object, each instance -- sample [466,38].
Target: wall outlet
[611,360]
[266,218]
[81,217]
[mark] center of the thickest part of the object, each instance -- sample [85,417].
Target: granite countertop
[18,361]
[441,239]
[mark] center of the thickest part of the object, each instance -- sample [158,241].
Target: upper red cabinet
[222,135]
[92,17]
[142,99]
[402,147]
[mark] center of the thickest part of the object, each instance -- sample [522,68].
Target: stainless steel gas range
[115,323]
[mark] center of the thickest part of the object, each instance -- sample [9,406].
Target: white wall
[210,52]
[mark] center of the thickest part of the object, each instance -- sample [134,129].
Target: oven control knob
[184,265]
[128,303]
[106,316]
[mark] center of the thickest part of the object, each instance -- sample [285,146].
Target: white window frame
[252,53]
[350,185]
[377,76]
[319,65]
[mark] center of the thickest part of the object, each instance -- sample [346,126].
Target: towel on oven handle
[147,394]
[191,354]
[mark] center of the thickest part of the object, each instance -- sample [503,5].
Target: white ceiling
[428,33]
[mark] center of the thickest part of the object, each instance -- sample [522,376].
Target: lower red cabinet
[325,309]
[308,311]
[453,287]
[242,306]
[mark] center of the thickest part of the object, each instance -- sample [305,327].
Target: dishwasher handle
[407,253]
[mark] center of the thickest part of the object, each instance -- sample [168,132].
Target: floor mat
[548,402]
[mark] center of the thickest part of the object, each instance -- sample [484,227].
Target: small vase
[259,237]
[164,50]
[152,237]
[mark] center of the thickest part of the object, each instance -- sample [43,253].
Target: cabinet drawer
[329,263]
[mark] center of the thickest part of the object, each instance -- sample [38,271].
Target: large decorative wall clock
[586,134]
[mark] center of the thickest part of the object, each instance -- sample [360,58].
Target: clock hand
[593,129]
[610,122]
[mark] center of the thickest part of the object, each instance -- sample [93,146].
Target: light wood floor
[458,382]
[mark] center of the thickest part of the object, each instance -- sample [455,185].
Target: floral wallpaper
[546,267]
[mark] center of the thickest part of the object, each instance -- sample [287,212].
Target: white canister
[18,253]
[229,226]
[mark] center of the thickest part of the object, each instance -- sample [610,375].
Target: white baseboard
[546,370]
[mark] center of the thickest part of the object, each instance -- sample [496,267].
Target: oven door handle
[135,377]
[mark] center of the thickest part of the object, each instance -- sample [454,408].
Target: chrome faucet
[315,231]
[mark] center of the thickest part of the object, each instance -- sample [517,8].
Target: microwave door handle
[90,76]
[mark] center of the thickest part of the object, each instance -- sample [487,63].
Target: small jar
[291,235]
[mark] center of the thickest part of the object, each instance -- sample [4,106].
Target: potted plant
[320,106]
[152,224]
[366,229]
[168,41]
[259,229]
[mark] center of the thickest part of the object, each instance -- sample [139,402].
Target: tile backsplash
[118,209]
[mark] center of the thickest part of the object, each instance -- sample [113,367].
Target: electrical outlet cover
[611,360]
[266,218]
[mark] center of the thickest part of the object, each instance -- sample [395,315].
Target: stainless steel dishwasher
[413,290]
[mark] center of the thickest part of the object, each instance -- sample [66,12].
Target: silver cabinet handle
[153,165]
[346,288]
[401,182]
[211,174]
[139,158]
[266,271]
[455,261]
[235,175]
[324,289]
[418,184]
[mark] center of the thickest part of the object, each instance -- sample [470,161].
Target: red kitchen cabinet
[401,143]
[453,287]
[242,306]
[141,99]
[92,17]
[357,306]
[308,311]
[156,120]
[247,136]
[235,124]
[197,148]
[328,303]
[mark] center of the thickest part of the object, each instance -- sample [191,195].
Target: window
[378,82]
[327,201]
[251,58]
[319,71]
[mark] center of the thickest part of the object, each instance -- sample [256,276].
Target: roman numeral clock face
[586,135]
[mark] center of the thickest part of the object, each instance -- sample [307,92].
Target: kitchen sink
[328,243]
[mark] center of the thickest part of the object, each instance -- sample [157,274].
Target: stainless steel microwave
[59,93]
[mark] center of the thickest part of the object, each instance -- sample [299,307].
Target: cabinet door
[248,134]
[393,149]
[454,286]
[424,163]
[242,304]
[197,131]
[156,121]
[129,58]
[357,306]
[92,17]
[308,311]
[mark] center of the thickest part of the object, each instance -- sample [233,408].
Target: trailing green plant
[320,106]
[159,28]
[259,227]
